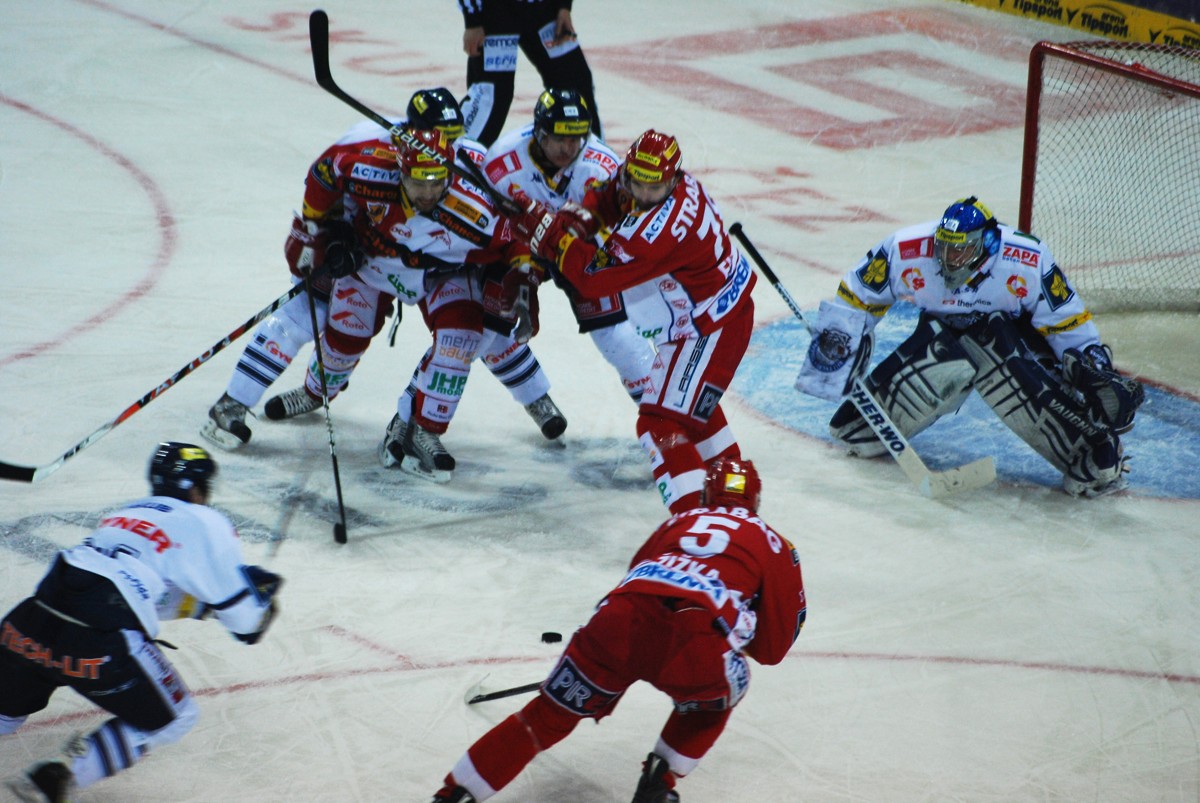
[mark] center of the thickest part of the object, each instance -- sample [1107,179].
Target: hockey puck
[550,637]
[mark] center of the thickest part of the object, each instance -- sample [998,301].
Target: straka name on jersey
[688,209]
[1025,256]
[366,172]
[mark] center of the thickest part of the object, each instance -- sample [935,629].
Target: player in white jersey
[92,623]
[554,160]
[997,316]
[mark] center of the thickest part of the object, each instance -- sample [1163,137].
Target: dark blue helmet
[177,468]
[563,113]
[430,109]
[966,236]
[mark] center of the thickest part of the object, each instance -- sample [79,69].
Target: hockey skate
[653,786]
[545,414]
[416,451]
[291,404]
[452,794]
[226,424]
[1106,480]
[51,782]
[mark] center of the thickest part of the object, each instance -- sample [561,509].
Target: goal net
[1111,170]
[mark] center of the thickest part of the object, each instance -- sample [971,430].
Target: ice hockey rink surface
[1011,644]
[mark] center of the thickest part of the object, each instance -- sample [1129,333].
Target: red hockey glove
[540,227]
[305,245]
[578,221]
[519,301]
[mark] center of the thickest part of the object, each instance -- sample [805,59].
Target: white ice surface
[1013,645]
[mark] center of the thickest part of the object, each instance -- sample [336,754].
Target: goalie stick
[11,471]
[318,35]
[933,484]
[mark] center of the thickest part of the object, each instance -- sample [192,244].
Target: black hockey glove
[1111,398]
[342,255]
[266,586]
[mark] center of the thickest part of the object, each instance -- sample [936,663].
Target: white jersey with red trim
[510,167]
[1020,278]
[164,554]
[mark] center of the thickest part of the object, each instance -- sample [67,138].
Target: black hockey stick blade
[318,34]
[11,471]
[496,695]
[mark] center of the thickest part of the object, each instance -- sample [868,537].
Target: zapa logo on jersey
[912,279]
[1022,255]
[1017,286]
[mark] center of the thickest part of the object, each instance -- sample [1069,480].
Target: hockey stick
[339,529]
[318,35]
[10,471]
[933,484]
[471,699]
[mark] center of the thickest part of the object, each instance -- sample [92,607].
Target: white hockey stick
[933,484]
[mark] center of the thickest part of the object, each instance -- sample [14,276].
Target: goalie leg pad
[1031,402]
[926,377]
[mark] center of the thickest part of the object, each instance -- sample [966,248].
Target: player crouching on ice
[997,315]
[683,619]
[93,621]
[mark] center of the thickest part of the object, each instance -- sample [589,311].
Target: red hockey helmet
[653,158]
[731,482]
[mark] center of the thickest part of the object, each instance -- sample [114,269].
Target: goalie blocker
[1071,414]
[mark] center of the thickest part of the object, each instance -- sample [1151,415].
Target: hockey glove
[540,227]
[519,301]
[578,221]
[342,255]
[266,585]
[1111,398]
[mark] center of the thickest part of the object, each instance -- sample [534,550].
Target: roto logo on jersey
[1017,286]
[140,527]
[1022,255]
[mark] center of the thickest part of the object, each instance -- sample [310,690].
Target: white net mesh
[1115,190]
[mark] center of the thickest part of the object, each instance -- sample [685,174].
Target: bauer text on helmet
[424,160]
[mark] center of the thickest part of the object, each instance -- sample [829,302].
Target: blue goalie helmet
[966,236]
[177,468]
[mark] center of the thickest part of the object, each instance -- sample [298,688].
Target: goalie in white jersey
[92,623]
[997,316]
[554,160]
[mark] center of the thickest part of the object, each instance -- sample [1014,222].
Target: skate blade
[221,437]
[411,465]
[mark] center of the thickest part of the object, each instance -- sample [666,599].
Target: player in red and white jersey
[421,245]
[999,316]
[91,624]
[553,161]
[667,250]
[710,587]
[318,239]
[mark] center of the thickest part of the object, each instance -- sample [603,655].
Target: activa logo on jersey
[658,222]
[575,692]
[367,172]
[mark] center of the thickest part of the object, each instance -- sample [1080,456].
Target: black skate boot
[546,415]
[653,786]
[226,424]
[291,404]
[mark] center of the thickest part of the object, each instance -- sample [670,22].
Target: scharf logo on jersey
[1017,286]
[912,279]
[1022,255]
[365,172]
[1056,288]
[915,249]
[874,273]
[499,168]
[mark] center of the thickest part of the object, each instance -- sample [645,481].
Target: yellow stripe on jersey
[1073,322]
[847,295]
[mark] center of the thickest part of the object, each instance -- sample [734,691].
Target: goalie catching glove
[1112,399]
